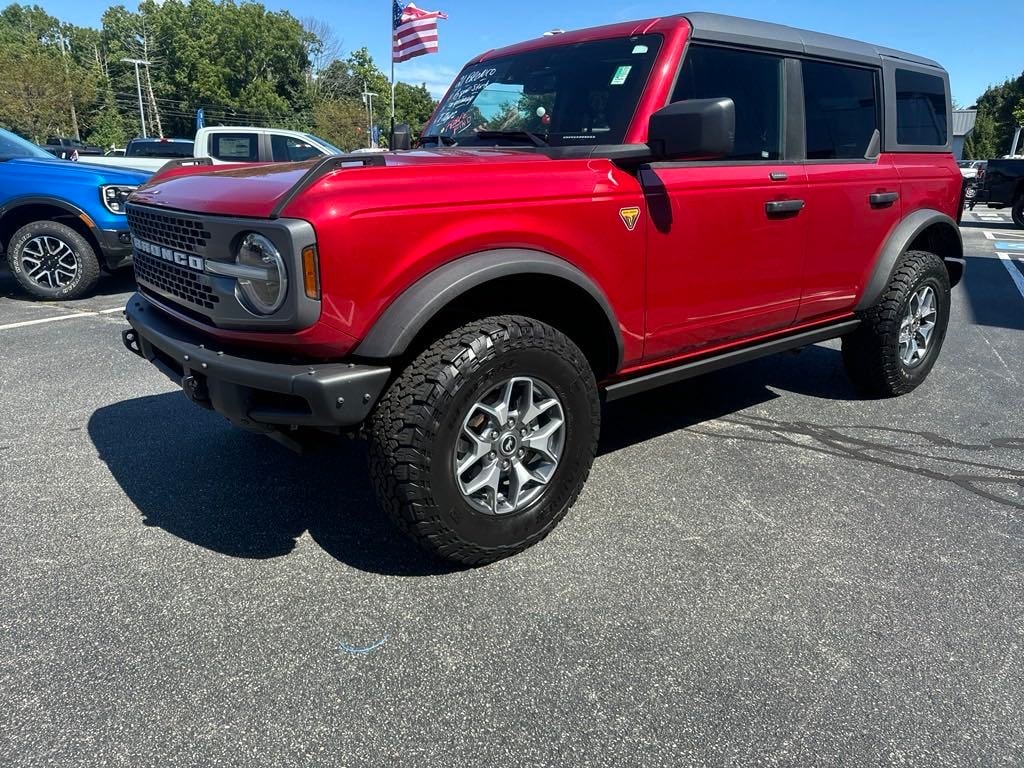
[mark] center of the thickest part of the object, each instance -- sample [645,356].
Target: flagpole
[391,137]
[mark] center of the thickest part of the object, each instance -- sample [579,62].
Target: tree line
[1000,111]
[243,64]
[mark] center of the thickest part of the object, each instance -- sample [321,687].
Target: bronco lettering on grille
[167,254]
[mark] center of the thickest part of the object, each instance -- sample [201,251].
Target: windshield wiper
[442,141]
[535,138]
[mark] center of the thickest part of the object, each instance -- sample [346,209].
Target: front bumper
[255,394]
[115,247]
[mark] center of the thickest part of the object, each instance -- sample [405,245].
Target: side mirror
[400,137]
[697,128]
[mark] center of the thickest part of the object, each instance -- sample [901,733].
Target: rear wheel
[52,261]
[484,441]
[1018,211]
[899,338]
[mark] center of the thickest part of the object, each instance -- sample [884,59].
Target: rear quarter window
[920,109]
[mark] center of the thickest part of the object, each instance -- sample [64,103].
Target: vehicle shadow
[193,475]
[717,406]
[989,225]
[815,371]
[992,298]
[110,284]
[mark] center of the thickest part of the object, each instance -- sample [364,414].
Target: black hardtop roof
[716,27]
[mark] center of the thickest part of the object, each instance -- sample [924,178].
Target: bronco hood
[261,191]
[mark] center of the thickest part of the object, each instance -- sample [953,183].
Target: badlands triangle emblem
[630,216]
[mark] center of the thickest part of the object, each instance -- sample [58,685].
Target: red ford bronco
[588,215]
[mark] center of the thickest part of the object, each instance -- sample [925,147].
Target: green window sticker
[621,74]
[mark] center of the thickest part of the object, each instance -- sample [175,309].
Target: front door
[726,238]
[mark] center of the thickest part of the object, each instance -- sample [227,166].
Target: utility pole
[368,100]
[71,95]
[138,85]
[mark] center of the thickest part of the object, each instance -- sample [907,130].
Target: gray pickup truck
[1003,186]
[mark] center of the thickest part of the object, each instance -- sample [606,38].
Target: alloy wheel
[917,326]
[49,262]
[509,446]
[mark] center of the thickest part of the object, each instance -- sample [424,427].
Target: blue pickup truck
[61,223]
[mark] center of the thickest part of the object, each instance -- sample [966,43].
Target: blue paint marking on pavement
[357,651]
[1003,245]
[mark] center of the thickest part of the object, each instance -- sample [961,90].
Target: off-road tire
[415,425]
[871,353]
[88,269]
[1017,212]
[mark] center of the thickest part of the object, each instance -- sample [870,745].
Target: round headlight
[262,289]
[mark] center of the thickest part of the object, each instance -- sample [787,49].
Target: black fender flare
[901,238]
[20,202]
[406,316]
[56,202]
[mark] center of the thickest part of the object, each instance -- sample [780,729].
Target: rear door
[292,149]
[853,200]
[726,238]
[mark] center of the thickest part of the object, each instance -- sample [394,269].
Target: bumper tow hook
[130,338]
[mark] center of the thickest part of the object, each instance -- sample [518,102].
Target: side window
[920,109]
[235,147]
[841,109]
[291,150]
[753,81]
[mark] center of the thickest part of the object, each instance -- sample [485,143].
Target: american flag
[415,31]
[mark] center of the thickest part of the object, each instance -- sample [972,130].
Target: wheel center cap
[508,444]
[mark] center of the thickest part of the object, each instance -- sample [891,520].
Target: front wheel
[484,441]
[52,261]
[1017,212]
[899,338]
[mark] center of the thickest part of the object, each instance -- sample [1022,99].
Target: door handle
[780,207]
[883,199]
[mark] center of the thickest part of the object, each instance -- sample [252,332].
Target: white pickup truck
[229,144]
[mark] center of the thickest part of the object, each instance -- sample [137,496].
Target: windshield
[582,93]
[325,144]
[159,149]
[12,145]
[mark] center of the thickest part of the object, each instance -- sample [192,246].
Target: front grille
[176,232]
[173,280]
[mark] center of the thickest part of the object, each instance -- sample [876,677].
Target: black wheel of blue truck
[900,337]
[1017,212]
[483,442]
[52,261]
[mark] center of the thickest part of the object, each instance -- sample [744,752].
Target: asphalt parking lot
[762,570]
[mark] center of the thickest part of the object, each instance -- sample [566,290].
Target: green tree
[413,105]
[244,64]
[28,27]
[106,128]
[981,143]
[996,120]
[36,92]
[342,122]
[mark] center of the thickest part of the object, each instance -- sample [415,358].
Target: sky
[980,45]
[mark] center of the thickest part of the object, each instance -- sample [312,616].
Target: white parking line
[1015,274]
[72,316]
